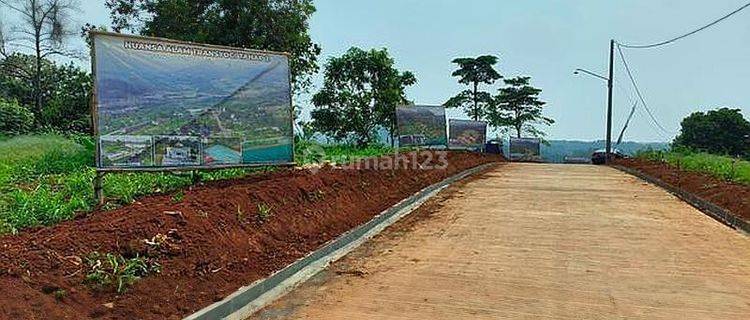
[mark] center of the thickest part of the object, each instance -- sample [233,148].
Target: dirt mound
[730,196]
[215,239]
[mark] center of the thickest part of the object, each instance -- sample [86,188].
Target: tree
[65,92]
[517,106]
[722,131]
[361,90]
[278,25]
[43,29]
[14,119]
[472,72]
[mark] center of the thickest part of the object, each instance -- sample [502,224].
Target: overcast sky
[547,40]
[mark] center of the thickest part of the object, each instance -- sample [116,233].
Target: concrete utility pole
[610,81]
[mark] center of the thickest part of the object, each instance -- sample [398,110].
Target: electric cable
[658,44]
[640,95]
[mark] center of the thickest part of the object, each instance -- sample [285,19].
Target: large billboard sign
[466,134]
[163,104]
[525,149]
[421,126]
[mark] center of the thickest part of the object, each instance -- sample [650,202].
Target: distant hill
[558,149]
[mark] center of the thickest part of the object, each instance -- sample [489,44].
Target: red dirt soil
[217,241]
[731,196]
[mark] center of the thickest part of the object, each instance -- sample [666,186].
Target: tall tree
[473,72]
[43,29]
[361,90]
[517,106]
[720,131]
[278,25]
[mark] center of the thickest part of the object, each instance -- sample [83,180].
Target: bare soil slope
[730,196]
[214,240]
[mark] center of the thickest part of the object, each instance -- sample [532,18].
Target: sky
[547,40]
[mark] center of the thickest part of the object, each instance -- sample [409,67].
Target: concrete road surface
[539,241]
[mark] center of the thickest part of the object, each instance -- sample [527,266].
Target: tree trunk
[38,73]
[476,102]
[393,137]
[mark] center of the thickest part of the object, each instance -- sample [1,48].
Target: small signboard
[525,149]
[466,134]
[421,126]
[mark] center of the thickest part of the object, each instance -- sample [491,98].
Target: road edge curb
[249,299]
[717,213]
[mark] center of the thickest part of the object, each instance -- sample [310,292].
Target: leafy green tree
[361,90]
[278,25]
[14,119]
[722,131]
[473,72]
[517,106]
[43,29]
[65,91]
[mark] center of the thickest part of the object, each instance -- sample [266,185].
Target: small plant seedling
[60,294]
[115,271]
[178,196]
[264,212]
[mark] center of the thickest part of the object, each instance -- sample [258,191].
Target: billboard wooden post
[98,190]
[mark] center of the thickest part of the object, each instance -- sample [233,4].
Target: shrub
[14,118]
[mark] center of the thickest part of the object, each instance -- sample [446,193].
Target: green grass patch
[349,153]
[45,179]
[728,168]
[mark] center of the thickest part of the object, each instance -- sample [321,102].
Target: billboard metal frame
[93,107]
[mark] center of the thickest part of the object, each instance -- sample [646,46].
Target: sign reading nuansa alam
[164,103]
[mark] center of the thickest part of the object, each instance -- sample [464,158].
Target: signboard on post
[466,134]
[525,149]
[161,104]
[421,126]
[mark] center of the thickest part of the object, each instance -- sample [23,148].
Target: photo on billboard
[222,151]
[421,126]
[525,149]
[173,151]
[266,151]
[466,134]
[201,105]
[126,151]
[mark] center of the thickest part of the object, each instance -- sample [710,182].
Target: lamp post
[609,96]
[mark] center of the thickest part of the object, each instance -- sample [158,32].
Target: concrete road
[538,241]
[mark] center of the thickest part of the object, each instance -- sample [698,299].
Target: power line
[638,93]
[687,34]
[634,102]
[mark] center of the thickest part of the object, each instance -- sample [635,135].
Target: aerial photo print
[466,134]
[163,103]
[421,126]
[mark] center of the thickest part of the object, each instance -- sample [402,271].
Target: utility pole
[610,80]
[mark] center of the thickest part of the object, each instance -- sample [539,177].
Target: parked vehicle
[598,157]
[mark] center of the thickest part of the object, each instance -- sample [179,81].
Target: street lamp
[579,70]
[609,96]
